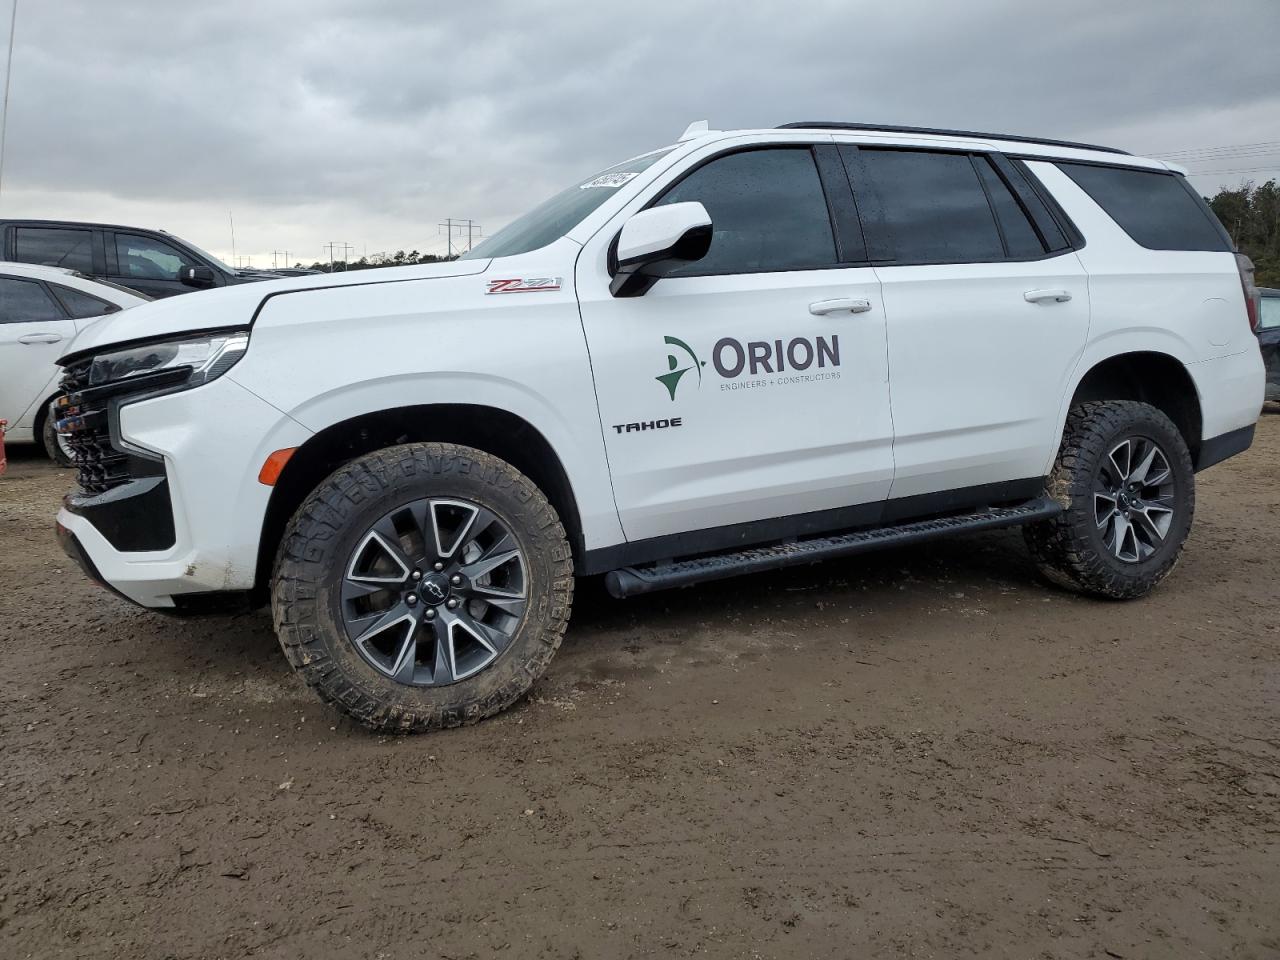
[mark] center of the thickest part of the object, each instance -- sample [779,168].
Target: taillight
[1252,297]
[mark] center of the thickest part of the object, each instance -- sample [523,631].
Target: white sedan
[41,311]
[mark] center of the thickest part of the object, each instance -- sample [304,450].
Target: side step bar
[633,581]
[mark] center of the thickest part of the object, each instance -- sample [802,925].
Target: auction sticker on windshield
[611,180]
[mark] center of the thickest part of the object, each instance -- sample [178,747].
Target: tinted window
[1019,177]
[1158,210]
[1020,237]
[928,207]
[768,213]
[55,247]
[1270,313]
[142,258]
[25,301]
[80,305]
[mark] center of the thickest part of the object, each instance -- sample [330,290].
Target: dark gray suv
[150,261]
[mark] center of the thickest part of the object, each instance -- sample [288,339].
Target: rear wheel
[1124,478]
[422,586]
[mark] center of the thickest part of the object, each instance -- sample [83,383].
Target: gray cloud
[370,122]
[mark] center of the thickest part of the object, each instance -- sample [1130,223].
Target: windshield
[551,220]
[210,257]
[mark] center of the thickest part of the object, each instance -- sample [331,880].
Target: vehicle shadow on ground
[976,562]
[246,642]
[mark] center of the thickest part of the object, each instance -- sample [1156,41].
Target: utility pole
[332,246]
[8,72]
[284,254]
[232,221]
[473,230]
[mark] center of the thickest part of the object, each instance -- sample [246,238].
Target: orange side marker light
[274,466]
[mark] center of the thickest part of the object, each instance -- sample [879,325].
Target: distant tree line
[1251,215]
[398,259]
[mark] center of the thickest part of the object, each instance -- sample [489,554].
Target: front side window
[81,306]
[924,207]
[55,247]
[552,219]
[768,213]
[142,258]
[25,301]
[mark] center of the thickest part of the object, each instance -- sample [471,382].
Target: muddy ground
[921,753]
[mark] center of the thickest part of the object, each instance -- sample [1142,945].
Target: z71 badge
[534,285]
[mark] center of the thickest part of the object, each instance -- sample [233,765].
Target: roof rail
[933,131]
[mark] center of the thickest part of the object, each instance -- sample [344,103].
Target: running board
[633,581]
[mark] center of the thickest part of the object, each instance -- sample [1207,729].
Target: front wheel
[421,586]
[1124,479]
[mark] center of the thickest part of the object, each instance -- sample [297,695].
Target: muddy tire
[1125,481]
[423,586]
[54,445]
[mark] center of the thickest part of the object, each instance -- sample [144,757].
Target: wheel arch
[41,413]
[1147,376]
[495,431]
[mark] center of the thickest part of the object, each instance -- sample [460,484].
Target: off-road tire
[1069,549]
[323,533]
[49,436]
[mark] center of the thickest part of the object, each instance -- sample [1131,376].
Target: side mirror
[656,241]
[198,277]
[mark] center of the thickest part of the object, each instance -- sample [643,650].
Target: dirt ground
[921,753]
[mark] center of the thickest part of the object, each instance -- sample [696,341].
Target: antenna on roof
[693,131]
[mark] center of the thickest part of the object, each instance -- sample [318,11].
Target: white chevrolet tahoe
[748,350]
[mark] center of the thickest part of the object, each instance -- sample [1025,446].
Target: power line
[1206,173]
[1226,150]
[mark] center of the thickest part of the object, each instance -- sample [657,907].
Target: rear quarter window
[1270,317]
[1159,211]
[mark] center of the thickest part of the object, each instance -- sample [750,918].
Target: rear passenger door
[75,248]
[34,332]
[987,308]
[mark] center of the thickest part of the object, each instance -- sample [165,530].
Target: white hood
[235,306]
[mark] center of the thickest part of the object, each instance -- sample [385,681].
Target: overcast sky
[370,121]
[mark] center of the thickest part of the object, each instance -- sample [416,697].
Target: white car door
[752,385]
[34,332]
[987,309]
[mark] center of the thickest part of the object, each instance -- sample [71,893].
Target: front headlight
[205,357]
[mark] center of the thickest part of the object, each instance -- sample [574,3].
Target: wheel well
[492,430]
[37,426]
[1154,378]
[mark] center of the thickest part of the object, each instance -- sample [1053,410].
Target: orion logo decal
[519,285]
[755,363]
[671,379]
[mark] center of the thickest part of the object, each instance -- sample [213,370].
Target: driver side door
[746,395]
[147,265]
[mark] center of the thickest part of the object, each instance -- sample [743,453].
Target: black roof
[933,131]
[26,221]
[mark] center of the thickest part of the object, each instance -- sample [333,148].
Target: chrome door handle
[40,338]
[1043,296]
[824,307]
